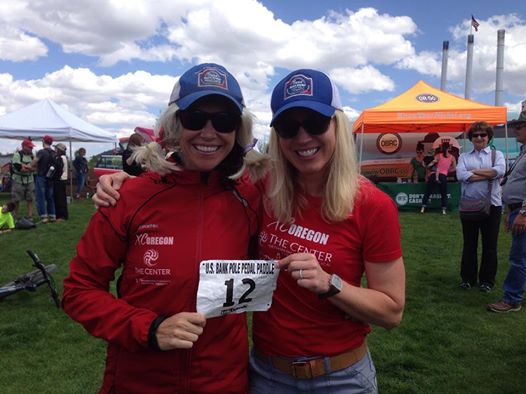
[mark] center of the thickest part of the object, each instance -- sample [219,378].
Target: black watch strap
[335,286]
[152,338]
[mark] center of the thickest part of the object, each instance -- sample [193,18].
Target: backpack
[24,224]
[49,168]
[11,167]
[59,167]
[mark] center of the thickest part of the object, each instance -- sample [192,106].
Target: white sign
[235,286]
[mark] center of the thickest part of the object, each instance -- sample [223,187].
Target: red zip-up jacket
[159,232]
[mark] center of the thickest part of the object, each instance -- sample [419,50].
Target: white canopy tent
[46,117]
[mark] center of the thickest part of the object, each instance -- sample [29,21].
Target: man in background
[514,196]
[44,181]
[23,185]
[81,170]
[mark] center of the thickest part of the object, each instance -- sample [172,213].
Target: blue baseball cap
[305,88]
[204,80]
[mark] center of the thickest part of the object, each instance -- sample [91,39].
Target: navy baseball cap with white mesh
[204,80]
[305,88]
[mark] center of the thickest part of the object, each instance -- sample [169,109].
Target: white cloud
[124,102]
[358,48]
[361,79]
[238,33]
[17,46]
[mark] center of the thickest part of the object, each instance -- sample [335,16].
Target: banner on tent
[387,170]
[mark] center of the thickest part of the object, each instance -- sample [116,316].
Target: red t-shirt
[299,323]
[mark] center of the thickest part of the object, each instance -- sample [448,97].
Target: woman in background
[442,164]
[129,165]
[475,170]
[60,181]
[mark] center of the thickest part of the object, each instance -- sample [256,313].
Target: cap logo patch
[298,85]
[212,77]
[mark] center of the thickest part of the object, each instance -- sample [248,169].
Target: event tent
[46,117]
[423,109]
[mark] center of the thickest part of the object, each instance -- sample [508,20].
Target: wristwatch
[335,286]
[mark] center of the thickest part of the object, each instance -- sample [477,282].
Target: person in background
[7,222]
[23,183]
[44,182]
[474,171]
[60,181]
[81,170]
[418,173]
[442,164]
[428,158]
[514,196]
[129,165]
[157,342]
[313,338]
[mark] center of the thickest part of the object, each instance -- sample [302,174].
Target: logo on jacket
[150,257]
[146,239]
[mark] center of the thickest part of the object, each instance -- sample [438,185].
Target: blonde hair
[168,130]
[341,186]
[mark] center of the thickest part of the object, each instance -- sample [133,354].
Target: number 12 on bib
[235,286]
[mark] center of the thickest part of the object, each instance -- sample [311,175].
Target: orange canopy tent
[423,109]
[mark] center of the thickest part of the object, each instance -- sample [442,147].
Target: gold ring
[301,274]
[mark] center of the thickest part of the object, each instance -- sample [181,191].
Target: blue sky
[114,63]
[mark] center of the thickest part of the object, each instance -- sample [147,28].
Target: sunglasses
[419,151]
[223,122]
[315,124]
[481,135]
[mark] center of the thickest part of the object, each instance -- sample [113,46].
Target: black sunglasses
[481,135]
[223,122]
[315,124]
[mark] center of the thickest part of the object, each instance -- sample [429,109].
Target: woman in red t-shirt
[327,226]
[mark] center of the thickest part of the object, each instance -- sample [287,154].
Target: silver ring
[301,274]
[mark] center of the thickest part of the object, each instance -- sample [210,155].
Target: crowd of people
[43,177]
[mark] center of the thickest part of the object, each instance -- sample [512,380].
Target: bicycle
[33,279]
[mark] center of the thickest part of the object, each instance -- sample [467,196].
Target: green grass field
[447,342]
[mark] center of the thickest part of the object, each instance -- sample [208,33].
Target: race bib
[235,286]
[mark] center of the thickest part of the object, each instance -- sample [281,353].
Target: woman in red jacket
[185,210]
